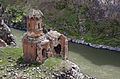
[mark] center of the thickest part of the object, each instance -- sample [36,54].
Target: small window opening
[44,53]
[59,38]
[39,26]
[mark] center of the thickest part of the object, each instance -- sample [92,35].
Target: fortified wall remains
[37,46]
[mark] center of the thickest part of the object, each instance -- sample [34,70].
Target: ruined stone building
[37,46]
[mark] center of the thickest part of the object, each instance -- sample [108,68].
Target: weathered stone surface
[34,13]
[6,38]
[102,9]
[2,43]
[71,71]
[93,45]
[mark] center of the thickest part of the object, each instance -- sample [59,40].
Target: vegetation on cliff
[72,19]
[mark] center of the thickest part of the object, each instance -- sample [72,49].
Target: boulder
[71,71]
[2,43]
[5,34]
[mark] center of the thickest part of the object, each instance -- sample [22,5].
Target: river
[99,63]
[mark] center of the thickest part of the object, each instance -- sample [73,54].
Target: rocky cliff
[6,38]
[99,9]
[95,21]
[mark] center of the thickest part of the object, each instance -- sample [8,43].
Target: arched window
[44,53]
[39,27]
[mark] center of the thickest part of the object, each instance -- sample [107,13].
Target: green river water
[99,63]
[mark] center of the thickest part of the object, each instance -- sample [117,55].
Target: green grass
[52,62]
[102,32]
[40,70]
[18,36]
[6,52]
[16,53]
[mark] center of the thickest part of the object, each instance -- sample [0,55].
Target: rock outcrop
[6,38]
[2,43]
[102,9]
[77,41]
[71,71]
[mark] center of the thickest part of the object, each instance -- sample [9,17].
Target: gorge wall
[98,9]
[95,21]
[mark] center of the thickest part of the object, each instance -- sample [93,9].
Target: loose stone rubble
[77,41]
[25,71]
[73,72]
[37,46]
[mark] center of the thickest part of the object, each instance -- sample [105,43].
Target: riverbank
[101,64]
[71,18]
[77,41]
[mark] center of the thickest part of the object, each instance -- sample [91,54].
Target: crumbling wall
[29,49]
[43,50]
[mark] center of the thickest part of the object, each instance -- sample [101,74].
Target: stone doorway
[58,49]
